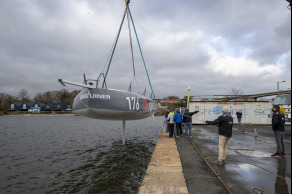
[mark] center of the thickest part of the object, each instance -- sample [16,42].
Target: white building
[253,112]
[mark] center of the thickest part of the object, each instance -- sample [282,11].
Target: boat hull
[108,104]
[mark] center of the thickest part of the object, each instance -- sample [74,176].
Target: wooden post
[188,101]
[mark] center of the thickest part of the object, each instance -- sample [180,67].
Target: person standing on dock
[239,115]
[178,121]
[166,121]
[187,119]
[170,123]
[225,123]
[278,126]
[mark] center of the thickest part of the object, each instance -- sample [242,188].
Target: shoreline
[35,114]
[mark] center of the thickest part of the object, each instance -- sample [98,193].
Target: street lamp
[278,83]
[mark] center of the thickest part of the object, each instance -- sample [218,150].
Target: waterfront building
[53,106]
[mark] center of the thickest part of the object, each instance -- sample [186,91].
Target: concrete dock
[176,167]
[164,173]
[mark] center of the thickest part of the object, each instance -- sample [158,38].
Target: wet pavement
[249,167]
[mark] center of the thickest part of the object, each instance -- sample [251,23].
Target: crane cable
[115,43]
[141,54]
[131,45]
[128,12]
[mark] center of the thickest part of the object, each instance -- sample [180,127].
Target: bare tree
[23,95]
[235,92]
[238,94]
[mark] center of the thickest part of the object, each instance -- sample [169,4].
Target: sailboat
[111,104]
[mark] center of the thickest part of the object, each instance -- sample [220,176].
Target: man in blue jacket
[178,121]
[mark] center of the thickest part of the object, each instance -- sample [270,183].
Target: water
[69,154]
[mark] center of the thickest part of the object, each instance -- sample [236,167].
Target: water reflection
[247,171]
[281,186]
[74,154]
[117,170]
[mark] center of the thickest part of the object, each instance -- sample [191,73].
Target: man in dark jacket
[239,115]
[187,119]
[278,126]
[225,123]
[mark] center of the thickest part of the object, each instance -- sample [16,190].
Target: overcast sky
[212,46]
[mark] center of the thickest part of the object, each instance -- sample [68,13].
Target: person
[239,115]
[166,121]
[225,123]
[278,126]
[178,121]
[167,113]
[170,123]
[187,119]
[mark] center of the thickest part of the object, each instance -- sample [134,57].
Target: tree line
[46,97]
[66,97]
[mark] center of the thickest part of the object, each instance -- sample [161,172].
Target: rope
[263,169]
[255,166]
[105,65]
[256,190]
[71,93]
[130,88]
[208,164]
[128,12]
[102,74]
[259,191]
[141,53]
[115,45]
[198,119]
[131,45]
[137,86]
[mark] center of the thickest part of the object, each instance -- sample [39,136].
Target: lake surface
[71,154]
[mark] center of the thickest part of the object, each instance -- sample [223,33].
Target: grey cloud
[42,41]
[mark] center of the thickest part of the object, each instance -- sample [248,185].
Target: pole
[188,101]
[124,131]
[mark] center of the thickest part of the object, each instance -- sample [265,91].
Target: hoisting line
[127,6]
[131,45]
[115,44]
[141,53]
[106,62]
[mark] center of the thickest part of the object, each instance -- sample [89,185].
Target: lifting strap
[131,45]
[128,12]
[115,44]
[142,55]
